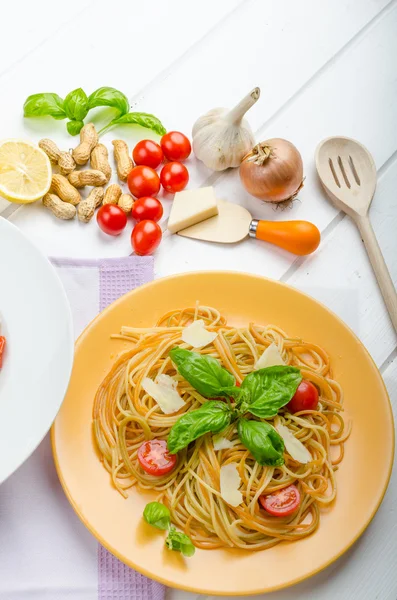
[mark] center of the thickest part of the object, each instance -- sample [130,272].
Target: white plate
[37,322]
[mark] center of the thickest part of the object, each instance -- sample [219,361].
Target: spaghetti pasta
[124,416]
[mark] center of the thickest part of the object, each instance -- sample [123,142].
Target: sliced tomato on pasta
[281,503]
[154,457]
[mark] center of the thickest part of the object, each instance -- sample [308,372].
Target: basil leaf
[157,514]
[176,540]
[270,389]
[74,127]
[40,105]
[204,373]
[138,118]
[76,105]
[108,96]
[212,417]
[262,440]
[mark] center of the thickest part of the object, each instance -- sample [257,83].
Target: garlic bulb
[221,137]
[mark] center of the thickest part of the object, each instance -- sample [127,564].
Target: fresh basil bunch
[211,417]
[158,515]
[77,104]
[262,394]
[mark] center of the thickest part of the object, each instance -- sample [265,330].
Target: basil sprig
[77,104]
[261,394]
[43,105]
[176,540]
[108,96]
[158,515]
[204,373]
[211,417]
[269,390]
[137,118]
[262,440]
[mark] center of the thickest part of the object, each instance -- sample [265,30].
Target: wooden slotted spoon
[348,174]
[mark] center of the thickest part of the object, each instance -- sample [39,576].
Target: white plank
[182,95]
[91,52]
[35,23]
[317,112]
[340,275]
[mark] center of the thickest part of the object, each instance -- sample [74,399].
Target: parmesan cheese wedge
[221,443]
[294,447]
[192,206]
[230,482]
[196,334]
[164,391]
[270,358]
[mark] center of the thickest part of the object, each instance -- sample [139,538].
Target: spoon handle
[379,266]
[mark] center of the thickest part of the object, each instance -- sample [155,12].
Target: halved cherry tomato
[175,145]
[305,397]
[111,219]
[154,457]
[148,153]
[145,237]
[281,503]
[147,208]
[2,348]
[143,181]
[174,177]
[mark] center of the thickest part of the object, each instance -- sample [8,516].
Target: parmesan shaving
[230,482]
[196,335]
[270,358]
[221,443]
[294,447]
[164,392]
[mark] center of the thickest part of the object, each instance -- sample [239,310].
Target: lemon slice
[25,171]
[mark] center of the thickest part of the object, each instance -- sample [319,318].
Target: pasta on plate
[284,459]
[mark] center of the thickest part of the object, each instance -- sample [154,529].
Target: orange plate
[117,523]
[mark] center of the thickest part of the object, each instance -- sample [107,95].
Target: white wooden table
[324,68]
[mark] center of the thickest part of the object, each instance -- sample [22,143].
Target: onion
[272,171]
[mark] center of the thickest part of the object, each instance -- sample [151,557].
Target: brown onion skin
[275,180]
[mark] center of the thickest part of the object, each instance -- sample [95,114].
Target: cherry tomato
[305,397]
[145,237]
[148,153]
[174,177]
[281,503]
[147,208]
[111,219]
[175,145]
[143,181]
[154,457]
[2,348]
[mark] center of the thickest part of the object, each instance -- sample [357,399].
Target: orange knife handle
[298,237]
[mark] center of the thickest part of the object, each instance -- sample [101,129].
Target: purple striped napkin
[99,283]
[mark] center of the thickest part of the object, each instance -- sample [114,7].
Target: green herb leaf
[108,96]
[76,105]
[204,373]
[74,127]
[40,105]
[138,118]
[157,514]
[176,540]
[270,389]
[212,417]
[262,440]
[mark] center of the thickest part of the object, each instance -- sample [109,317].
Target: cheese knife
[234,223]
